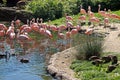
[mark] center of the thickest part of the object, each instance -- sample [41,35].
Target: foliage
[88,46]
[54,9]
[49,9]
[86,71]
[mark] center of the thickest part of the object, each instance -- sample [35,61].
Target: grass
[75,17]
[84,70]
[87,46]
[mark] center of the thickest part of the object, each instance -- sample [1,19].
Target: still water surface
[13,69]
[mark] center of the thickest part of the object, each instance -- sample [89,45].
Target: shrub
[89,46]
[52,9]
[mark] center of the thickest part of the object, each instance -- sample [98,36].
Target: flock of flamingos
[20,32]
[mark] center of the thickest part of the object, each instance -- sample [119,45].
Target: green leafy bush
[52,9]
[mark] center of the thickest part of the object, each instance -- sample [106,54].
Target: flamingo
[102,13]
[2,33]
[90,13]
[10,32]
[48,33]
[23,27]
[74,31]
[62,27]
[35,27]
[22,37]
[82,11]
[106,21]
[78,27]
[53,28]
[89,31]
[82,19]
[17,23]
[3,27]
[61,35]
[69,17]
[94,20]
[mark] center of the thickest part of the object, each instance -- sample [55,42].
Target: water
[38,54]
[13,69]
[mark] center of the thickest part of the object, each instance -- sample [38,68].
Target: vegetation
[54,9]
[88,46]
[86,71]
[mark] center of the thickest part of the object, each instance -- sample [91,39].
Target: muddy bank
[59,64]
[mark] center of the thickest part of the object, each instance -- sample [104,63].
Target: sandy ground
[60,62]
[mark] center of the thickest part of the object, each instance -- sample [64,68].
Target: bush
[52,9]
[89,46]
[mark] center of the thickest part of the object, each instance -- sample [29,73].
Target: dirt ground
[61,61]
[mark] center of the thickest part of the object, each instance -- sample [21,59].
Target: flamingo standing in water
[34,26]
[3,28]
[10,32]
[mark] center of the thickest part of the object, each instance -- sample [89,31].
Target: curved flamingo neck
[99,7]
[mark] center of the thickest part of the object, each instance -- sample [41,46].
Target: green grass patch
[84,70]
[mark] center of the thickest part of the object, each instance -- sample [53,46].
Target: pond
[35,51]
[38,54]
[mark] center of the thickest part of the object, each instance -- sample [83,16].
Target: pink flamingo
[69,17]
[82,18]
[10,32]
[82,11]
[3,27]
[2,33]
[88,31]
[25,28]
[94,20]
[53,28]
[17,23]
[48,33]
[62,27]
[74,31]
[102,13]
[23,37]
[90,13]
[34,26]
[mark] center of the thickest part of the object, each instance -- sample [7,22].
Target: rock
[9,14]
[93,58]
[114,60]
[2,56]
[21,4]
[23,60]
[111,68]
[106,59]
[113,28]
[97,62]
[11,3]
[52,70]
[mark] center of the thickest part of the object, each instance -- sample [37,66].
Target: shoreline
[59,65]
